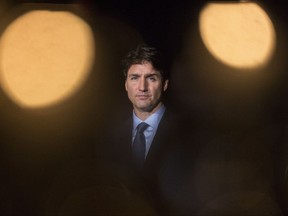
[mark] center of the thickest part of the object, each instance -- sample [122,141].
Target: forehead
[146,68]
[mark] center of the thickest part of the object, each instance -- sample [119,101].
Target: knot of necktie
[142,127]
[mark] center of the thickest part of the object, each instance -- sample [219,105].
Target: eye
[153,79]
[133,78]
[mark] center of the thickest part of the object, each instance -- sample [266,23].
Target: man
[145,82]
[146,147]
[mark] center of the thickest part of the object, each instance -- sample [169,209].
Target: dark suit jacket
[164,166]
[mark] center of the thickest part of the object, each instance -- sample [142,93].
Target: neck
[143,115]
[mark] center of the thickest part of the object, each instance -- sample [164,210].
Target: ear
[165,86]
[126,84]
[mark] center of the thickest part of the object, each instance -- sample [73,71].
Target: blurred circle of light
[45,56]
[240,35]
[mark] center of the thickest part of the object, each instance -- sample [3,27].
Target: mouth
[142,96]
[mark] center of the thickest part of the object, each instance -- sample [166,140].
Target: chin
[144,109]
[147,109]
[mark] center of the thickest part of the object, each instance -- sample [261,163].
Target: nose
[142,84]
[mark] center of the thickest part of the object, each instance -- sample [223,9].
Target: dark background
[242,118]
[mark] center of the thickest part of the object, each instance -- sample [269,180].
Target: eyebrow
[146,75]
[133,74]
[153,74]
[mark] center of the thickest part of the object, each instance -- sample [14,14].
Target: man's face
[144,86]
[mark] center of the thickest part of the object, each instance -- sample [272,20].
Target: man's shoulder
[177,130]
[171,120]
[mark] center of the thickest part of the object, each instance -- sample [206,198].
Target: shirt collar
[153,120]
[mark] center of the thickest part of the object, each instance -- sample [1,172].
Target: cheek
[130,90]
[156,92]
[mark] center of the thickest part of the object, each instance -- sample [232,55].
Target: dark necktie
[139,145]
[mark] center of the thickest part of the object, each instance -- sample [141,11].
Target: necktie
[139,145]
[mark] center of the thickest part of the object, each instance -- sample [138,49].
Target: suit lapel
[158,145]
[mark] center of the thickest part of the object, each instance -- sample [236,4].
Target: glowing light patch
[238,34]
[45,56]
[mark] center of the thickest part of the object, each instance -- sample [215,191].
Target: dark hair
[142,54]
